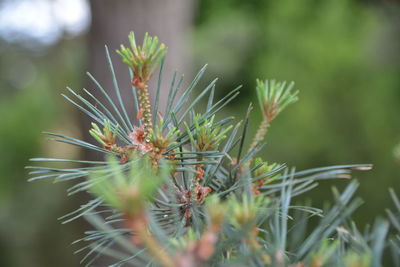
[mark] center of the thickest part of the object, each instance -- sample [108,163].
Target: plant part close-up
[179,186]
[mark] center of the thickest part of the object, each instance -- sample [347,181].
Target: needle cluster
[178,189]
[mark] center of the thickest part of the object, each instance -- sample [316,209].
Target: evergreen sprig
[144,59]
[273,97]
[171,192]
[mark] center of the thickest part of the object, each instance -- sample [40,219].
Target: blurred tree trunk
[170,20]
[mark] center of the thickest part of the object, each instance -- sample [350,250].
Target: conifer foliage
[178,187]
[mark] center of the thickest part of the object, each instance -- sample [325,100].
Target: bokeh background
[344,56]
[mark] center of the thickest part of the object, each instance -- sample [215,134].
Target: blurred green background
[344,56]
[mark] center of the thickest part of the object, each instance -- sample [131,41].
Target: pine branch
[169,191]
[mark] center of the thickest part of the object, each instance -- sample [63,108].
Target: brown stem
[199,171]
[261,132]
[145,107]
